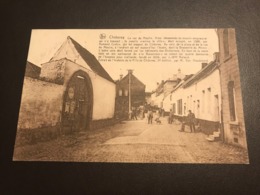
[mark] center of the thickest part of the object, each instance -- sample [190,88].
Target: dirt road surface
[134,141]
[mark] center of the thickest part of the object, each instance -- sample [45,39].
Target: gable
[134,80]
[73,51]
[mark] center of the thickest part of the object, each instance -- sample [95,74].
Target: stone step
[216,134]
[214,137]
[210,138]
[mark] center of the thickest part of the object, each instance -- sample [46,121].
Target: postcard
[132,96]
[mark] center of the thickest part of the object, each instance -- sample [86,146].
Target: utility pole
[130,71]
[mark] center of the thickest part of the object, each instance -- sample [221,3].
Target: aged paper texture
[132,95]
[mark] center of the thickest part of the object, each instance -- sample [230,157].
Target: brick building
[136,95]
[232,108]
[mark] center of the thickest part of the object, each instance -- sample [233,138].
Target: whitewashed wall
[41,104]
[167,103]
[207,105]
[104,91]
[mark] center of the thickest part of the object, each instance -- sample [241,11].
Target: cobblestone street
[134,141]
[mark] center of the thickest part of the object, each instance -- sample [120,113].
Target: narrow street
[134,141]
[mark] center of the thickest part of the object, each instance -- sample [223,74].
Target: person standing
[150,116]
[191,121]
[157,115]
[170,119]
[134,114]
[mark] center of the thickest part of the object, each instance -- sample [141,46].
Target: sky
[44,43]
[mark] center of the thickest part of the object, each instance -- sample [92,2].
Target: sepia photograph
[132,96]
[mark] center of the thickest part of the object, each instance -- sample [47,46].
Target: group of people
[189,120]
[136,112]
[150,116]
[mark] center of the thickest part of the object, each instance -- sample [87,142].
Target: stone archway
[77,105]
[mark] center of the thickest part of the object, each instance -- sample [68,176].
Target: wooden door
[76,105]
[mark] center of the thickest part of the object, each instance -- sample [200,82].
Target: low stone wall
[205,126]
[40,105]
[33,136]
[39,115]
[97,124]
[208,127]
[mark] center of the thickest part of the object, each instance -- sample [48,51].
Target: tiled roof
[32,70]
[91,60]
[207,70]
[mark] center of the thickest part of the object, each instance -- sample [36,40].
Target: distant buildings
[163,89]
[213,94]
[130,93]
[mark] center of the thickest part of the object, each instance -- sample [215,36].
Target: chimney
[121,76]
[130,71]
[203,65]
[216,56]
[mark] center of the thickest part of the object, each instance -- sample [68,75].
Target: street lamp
[130,71]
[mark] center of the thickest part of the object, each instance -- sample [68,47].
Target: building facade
[73,92]
[130,94]
[202,95]
[162,97]
[232,108]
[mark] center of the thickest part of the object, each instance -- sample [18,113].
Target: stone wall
[40,105]
[40,109]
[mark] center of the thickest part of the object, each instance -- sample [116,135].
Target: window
[174,108]
[120,92]
[126,92]
[209,100]
[225,43]
[188,102]
[190,108]
[203,101]
[198,108]
[231,99]
[179,102]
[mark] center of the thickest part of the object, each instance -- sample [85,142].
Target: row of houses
[73,91]
[213,94]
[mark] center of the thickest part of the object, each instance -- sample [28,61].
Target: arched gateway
[77,103]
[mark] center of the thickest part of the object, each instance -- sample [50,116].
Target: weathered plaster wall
[40,104]
[194,93]
[167,103]
[53,71]
[235,132]
[208,110]
[104,91]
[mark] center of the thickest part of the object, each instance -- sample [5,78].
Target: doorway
[77,103]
